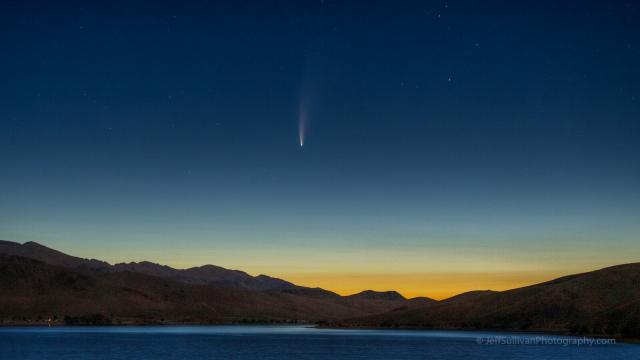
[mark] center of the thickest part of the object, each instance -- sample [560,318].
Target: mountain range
[40,285]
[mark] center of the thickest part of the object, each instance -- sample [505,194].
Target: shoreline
[540,332]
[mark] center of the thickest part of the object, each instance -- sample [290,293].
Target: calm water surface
[281,342]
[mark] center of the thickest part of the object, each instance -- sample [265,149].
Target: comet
[301,134]
[302,121]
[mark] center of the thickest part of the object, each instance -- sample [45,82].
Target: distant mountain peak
[378,295]
[34,250]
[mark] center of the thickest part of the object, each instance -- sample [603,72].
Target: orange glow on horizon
[437,286]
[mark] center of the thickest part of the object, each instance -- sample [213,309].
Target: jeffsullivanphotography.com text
[543,340]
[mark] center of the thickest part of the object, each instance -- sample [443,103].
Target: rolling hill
[602,302]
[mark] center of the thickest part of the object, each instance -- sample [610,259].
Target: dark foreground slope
[602,302]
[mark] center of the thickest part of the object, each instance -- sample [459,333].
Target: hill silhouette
[601,302]
[38,283]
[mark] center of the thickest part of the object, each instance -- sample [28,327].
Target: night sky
[448,146]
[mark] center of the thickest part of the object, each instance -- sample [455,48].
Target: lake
[296,342]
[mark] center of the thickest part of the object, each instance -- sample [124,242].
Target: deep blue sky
[443,136]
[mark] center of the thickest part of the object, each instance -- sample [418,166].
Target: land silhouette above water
[40,286]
